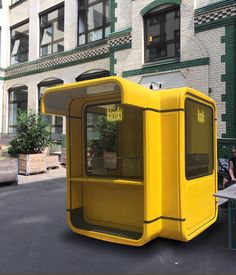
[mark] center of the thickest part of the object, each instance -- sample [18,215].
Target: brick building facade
[201,53]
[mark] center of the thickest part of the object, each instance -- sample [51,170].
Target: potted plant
[106,145]
[32,138]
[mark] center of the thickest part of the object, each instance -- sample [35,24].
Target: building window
[17,102]
[52,31]
[20,43]
[198,139]
[93,20]
[15,1]
[162,33]
[55,122]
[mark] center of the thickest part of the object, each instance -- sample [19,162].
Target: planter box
[52,162]
[8,170]
[32,164]
[63,156]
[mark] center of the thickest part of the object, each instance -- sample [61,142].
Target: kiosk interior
[140,163]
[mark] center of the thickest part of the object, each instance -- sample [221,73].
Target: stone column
[71,24]
[33,30]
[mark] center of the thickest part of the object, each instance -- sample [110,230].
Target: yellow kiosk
[141,163]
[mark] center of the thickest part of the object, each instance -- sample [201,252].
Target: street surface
[34,238]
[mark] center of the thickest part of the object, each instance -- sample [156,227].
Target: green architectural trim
[121,47]
[2,78]
[113,61]
[58,55]
[224,147]
[120,33]
[222,39]
[214,6]
[230,82]
[89,45]
[113,6]
[215,24]
[17,4]
[167,67]
[157,3]
[67,64]
[223,59]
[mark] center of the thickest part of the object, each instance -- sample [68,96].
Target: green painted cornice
[120,33]
[59,66]
[157,3]
[167,67]
[214,6]
[231,20]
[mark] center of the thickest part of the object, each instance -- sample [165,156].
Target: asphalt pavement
[35,239]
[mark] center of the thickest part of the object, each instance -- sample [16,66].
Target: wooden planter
[8,170]
[63,156]
[52,162]
[32,164]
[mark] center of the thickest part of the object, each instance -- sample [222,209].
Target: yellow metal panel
[152,166]
[115,206]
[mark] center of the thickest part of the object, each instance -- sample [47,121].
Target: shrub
[32,134]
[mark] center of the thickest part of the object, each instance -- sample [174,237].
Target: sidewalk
[50,174]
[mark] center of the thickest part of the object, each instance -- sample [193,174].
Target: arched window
[162,33]
[55,122]
[92,74]
[18,101]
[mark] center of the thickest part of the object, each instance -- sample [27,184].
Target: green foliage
[32,134]
[108,135]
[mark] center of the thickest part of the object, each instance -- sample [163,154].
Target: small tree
[32,134]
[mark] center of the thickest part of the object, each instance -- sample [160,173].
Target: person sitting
[230,178]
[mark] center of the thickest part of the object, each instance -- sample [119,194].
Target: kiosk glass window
[113,147]
[198,139]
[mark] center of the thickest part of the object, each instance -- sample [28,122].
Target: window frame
[44,26]
[212,141]
[55,126]
[87,31]
[24,88]
[162,13]
[17,37]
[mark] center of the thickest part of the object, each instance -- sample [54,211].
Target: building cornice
[147,69]
[215,6]
[214,16]
[87,53]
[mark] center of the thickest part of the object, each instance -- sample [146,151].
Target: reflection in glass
[20,43]
[17,101]
[52,32]
[113,148]
[199,139]
[95,16]
[93,20]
